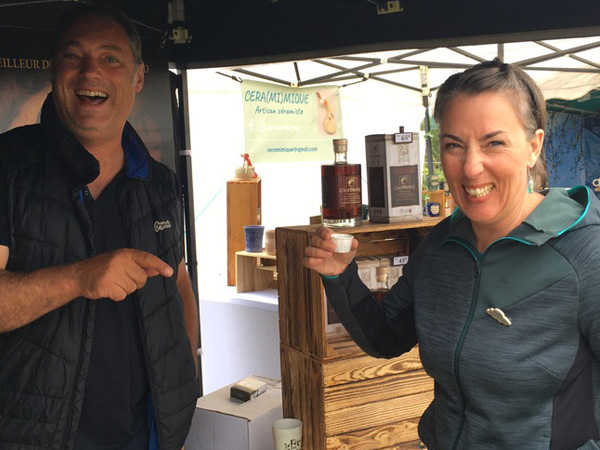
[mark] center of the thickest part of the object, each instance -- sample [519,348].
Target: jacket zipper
[123,192]
[459,346]
[461,340]
[79,206]
[135,300]
[78,371]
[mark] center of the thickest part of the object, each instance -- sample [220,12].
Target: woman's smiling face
[485,154]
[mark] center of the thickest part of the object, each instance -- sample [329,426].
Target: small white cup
[342,241]
[287,434]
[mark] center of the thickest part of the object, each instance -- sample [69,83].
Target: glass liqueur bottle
[341,189]
[382,276]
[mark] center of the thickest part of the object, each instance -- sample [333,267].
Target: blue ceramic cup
[254,238]
[432,209]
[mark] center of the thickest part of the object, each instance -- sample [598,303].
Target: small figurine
[247,162]
[247,167]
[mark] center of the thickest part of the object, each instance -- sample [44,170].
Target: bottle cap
[381,274]
[340,145]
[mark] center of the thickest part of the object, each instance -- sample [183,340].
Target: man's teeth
[87,93]
[480,192]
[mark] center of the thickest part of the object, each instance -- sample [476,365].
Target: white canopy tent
[564,68]
[380,92]
[541,59]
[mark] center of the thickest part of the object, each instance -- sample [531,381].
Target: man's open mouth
[89,96]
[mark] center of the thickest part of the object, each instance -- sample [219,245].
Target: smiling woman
[486,156]
[521,271]
[491,138]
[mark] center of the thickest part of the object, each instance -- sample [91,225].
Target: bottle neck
[382,277]
[383,283]
[341,158]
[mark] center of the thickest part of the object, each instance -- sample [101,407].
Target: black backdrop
[242,31]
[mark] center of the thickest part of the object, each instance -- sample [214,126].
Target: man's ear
[139,78]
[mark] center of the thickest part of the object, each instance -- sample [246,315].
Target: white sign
[290,124]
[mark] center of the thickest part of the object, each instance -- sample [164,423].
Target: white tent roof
[570,86]
[564,68]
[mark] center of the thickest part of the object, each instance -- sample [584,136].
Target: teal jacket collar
[560,211]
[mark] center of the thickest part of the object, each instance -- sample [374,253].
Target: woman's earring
[529,181]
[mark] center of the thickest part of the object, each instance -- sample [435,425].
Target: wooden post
[243,208]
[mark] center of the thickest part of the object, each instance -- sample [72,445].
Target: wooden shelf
[367,226]
[255,271]
[348,399]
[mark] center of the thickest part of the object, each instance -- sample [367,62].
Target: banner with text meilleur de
[283,124]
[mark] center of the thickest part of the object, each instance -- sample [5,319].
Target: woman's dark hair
[113,14]
[496,76]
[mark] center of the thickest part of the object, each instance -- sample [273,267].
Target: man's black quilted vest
[43,365]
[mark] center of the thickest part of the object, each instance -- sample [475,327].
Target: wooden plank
[243,275]
[282,288]
[364,367]
[368,227]
[284,267]
[243,208]
[302,382]
[260,255]
[377,390]
[301,319]
[382,243]
[390,437]
[318,339]
[414,445]
[377,413]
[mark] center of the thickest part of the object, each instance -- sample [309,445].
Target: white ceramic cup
[342,241]
[287,434]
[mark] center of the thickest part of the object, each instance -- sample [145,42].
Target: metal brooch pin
[499,315]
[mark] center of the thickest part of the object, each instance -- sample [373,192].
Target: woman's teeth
[479,192]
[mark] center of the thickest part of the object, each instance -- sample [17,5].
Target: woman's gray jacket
[533,384]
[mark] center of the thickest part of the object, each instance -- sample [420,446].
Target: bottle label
[350,192]
[405,185]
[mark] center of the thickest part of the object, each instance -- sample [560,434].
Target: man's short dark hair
[116,15]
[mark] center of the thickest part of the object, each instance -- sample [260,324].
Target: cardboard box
[223,423]
[394,177]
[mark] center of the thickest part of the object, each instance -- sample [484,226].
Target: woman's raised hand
[320,255]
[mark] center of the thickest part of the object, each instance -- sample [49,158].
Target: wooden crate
[243,208]
[255,271]
[347,399]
